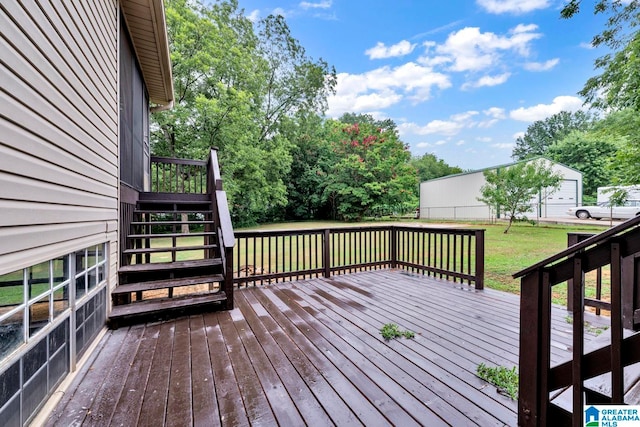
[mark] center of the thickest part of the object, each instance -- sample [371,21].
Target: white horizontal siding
[58,130]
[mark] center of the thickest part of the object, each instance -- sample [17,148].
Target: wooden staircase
[609,373]
[172,262]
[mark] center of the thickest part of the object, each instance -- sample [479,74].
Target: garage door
[557,203]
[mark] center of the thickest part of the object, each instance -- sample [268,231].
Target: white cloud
[460,142]
[495,112]
[587,45]
[518,135]
[513,6]
[450,127]
[280,11]
[423,145]
[541,66]
[325,4]
[383,87]
[441,142]
[254,16]
[469,49]
[440,127]
[381,51]
[503,146]
[542,111]
[487,81]
[484,139]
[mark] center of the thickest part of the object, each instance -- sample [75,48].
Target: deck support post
[533,371]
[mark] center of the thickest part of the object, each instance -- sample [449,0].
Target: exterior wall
[58,191]
[455,197]
[58,131]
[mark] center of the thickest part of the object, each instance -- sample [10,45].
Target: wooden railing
[222,220]
[272,256]
[619,250]
[178,175]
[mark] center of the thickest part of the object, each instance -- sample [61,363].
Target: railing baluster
[578,337]
[617,368]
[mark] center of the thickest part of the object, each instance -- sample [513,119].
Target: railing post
[228,278]
[533,374]
[479,259]
[326,257]
[393,241]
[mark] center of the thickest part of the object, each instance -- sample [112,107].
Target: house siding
[58,130]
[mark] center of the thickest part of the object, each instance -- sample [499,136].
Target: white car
[630,209]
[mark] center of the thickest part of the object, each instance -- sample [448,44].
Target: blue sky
[461,79]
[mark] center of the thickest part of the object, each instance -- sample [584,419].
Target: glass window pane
[11,290]
[60,270]
[38,315]
[100,250]
[101,276]
[60,300]
[81,261]
[91,256]
[38,279]
[91,276]
[81,286]
[11,333]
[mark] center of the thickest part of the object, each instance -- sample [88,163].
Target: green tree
[618,85]
[233,93]
[541,134]
[621,127]
[430,167]
[591,154]
[313,159]
[371,173]
[511,189]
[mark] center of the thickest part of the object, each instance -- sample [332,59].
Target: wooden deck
[310,353]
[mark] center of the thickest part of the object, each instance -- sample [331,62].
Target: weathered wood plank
[154,402]
[127,409]
[226,386]
[179,397]
[307,405]
[293,326]
[255,401]
[205,407]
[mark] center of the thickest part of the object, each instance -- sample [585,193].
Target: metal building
[456,196]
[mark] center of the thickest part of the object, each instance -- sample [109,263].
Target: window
[34,297]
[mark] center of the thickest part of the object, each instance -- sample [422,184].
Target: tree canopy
[618,85]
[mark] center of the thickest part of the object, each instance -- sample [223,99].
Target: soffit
[148,30]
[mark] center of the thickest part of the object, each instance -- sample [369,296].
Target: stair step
[167,249]
[204,210]
[168,266]
[165,284]
[167,235]
[203,222]
[152,197]
[143,310]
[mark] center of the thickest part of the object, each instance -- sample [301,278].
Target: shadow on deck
[310,352]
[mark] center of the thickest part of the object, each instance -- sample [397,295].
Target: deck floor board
[310,352]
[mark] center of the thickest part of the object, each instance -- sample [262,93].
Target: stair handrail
[222,217]
[617,247]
